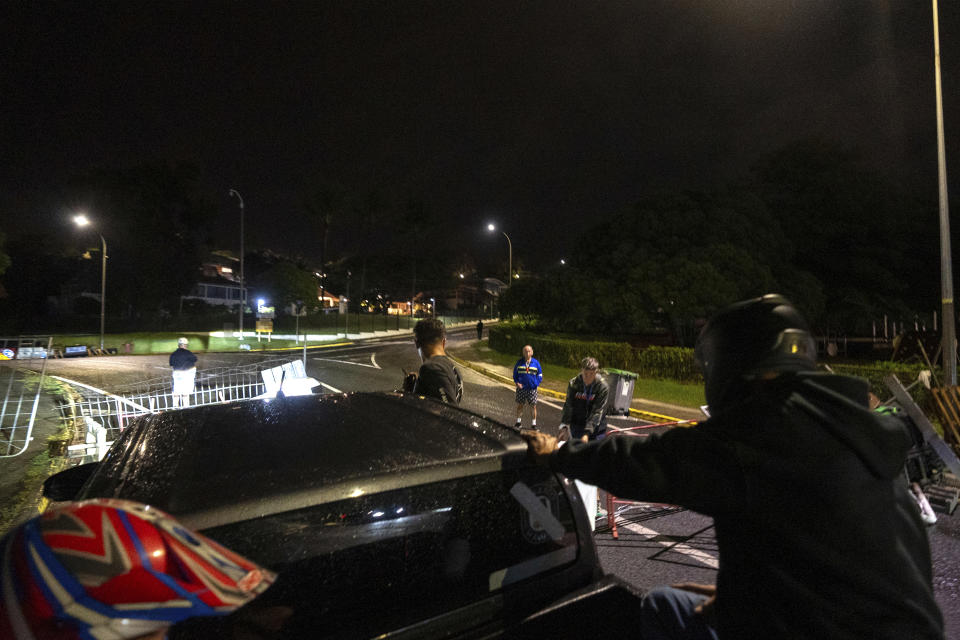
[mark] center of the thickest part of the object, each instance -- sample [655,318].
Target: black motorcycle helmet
[749,339]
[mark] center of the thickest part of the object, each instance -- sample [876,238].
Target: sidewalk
[640,407]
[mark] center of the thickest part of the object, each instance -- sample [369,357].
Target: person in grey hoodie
[817,533]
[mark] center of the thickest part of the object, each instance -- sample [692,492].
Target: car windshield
[380,562]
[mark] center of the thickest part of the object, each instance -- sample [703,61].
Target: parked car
[385,515]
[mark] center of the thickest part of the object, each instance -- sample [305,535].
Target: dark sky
[542,115]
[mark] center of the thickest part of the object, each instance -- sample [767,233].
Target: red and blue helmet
[115,569]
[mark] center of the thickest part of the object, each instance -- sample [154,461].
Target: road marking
[373,359]
[356,364]
[682,547]
[329,388]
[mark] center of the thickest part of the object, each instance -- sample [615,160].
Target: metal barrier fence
[103,415]
[20,386]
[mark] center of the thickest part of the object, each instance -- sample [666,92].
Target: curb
[647,415]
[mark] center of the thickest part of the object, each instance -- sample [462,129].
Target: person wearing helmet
[113,569]
[818,537]
[184,365]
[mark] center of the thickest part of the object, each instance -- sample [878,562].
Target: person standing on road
[818,536]
[584,410]
[438,377]
[479,329]
[184,365]
[527,375]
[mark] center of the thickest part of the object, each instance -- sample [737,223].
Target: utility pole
[243,292]
[948,348]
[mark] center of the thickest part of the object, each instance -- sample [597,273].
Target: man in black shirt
[438,377]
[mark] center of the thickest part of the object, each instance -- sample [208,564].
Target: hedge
[560,351]
[665,363]
[677,363]
[875,372]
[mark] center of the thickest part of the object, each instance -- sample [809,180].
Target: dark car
[384,515]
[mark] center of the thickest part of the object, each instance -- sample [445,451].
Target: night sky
[543,116]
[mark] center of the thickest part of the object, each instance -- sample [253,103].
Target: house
[219,282]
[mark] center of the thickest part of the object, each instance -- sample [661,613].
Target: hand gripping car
[110,569]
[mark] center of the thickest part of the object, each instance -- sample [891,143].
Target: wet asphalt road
[652,549]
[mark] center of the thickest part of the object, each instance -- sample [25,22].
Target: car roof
[218,464]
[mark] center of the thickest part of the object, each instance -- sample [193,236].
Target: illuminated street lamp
[493,227]
[81,221]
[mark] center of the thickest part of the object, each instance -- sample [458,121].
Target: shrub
[568,352]
[664,363]
[667,363]
[875,372]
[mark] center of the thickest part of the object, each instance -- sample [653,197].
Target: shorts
[183,381]
[527,396]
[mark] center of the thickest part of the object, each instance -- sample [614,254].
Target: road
[653,548]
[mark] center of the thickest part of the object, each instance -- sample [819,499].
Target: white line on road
[356,364]
[329,388]
[373,359]
[697,554]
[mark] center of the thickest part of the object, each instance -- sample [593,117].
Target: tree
[323,205]
[863,234]
[36,273]
[155,220]
[4,258]
[287,283]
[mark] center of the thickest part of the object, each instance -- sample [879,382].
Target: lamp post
[346,320]
[243,292]
[82,220]
[946,263]
[492,227]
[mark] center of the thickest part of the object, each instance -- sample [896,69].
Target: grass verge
[25,497]
[39,469]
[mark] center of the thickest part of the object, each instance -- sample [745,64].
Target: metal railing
[20,385]
[102,415]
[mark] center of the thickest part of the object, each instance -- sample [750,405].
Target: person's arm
[539,372]
[193,359]
[567,414]
[685,466]
[171,359]
[516,375]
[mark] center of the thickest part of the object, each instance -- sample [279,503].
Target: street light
[492,227]
[243,292]
[81,221]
